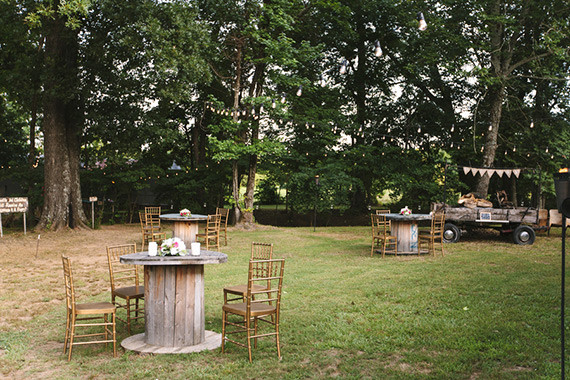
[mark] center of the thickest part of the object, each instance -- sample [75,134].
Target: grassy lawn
[489,309]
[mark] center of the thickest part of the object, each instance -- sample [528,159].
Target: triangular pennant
[508,173]
[517,172]
[466,170]
[500,172]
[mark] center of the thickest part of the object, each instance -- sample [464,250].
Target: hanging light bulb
[531,124]
[261,108]
[422,25]
[322,80]
[451,145]
[514,149]
[377,49]
[282,98]
[343,66]
[273,103]
[452,128]
[419,129]
[481,149]
[300,91]
[253,111]
[490,127]
[546,149]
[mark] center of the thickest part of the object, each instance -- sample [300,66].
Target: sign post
[10,205]
[93,200]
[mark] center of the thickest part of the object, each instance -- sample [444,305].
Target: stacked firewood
[471,201]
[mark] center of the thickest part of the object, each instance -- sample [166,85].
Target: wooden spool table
[174,303]
[185,227]
[405,228]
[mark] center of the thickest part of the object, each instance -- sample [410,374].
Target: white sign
[92,199]
[13,205]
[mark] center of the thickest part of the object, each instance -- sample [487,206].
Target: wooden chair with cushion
[79,312]
[259,251]
[125,283]
[148,231]
[211,235]
[435,234]
[224,212]
[385,211]
[381,235]
[257,306]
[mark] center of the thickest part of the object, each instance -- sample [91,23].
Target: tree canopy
[351,91]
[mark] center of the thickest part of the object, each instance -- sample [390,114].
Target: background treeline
[281,91]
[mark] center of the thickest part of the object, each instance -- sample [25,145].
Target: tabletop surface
[205,257]
[408,217]
[178,217]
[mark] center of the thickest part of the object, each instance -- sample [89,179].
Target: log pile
[471,201]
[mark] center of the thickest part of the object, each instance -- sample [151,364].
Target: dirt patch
[31,283]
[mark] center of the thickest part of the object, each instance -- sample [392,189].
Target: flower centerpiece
[185,212]
[173,247]
[405,211]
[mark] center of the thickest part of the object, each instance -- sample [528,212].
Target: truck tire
[524,235]
[451,233]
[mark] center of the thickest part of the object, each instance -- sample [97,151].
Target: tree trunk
[497,95]
[63,205]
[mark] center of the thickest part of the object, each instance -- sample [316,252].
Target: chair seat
[130,291]
[242,289]
[94,308]
[257,309]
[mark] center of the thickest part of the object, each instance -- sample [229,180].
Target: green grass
[489,309]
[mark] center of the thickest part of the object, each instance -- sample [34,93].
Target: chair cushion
[130,291]
[257,309]
[95,308]
[242,289]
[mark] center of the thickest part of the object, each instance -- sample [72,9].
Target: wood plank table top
[205,257]
[180,218]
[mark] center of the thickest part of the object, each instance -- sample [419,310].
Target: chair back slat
[68,278]
[261,251]
[120,273]
[270,271]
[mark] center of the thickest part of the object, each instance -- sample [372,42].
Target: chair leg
[277,336]
[72,333]
[128,304]
[114,336]
[248,332]
[67,327]
[224,316]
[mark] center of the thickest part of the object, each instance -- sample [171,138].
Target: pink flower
[175,244]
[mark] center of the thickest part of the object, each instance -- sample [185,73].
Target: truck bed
[517,215]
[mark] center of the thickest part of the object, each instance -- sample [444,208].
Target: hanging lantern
[343,66]
[377,49]
[422,25]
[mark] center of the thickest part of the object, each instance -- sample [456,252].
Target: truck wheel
[451,233]
[523,235]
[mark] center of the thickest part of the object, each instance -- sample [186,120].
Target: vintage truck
[520,222]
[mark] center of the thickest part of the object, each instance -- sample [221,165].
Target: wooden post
[1,232]
[24,223]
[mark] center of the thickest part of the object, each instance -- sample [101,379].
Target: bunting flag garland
[491,172]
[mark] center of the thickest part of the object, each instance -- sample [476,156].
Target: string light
[283,96]
[452,128]
[531,124]
[300,91]
[273,103]
[490,127]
